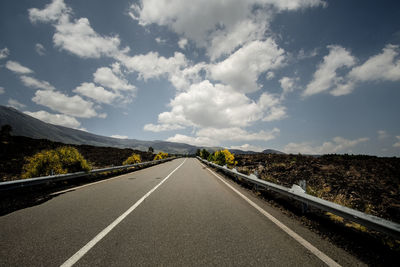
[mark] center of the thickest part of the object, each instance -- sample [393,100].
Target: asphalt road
[192,218]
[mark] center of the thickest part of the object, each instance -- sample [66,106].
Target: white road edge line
[322,256]
[71,261]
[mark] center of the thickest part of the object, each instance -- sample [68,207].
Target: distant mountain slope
[25,125]
[266,151]
[238,151]
[272,151]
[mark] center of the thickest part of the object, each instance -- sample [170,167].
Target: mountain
[266,151]
[272,151]
[25,125]
[238,151]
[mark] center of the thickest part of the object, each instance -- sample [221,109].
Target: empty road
[177,213]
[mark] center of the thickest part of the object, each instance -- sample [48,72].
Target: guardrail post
[303,185]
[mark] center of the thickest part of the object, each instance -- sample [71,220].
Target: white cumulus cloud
[151,65]
[161,127]
[295,4]
[195,141]
[237,134]
[241,69]
[326,76]
[214,136]
[97,93]
[57,119]
[51,12]
[39,48]
[119,136]
[384,66]
[287,85]
[208,105]
[182,43]
[107,78]
[272,107]
[75,35]
[17,67]
[73,106]
[218,26]
[248,147]
[224,42]
[382,135]
[4,52]
[35,83]
[79,38]
[15,104]
[397,144]
[160,40]
[337,145]
[381,67]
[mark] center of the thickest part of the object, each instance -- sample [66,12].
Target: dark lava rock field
[366,183]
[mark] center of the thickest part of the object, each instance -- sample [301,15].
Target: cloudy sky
[308,76]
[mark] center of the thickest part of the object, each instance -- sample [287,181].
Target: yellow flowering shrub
[134,158]
[56,161]
[223,157]
[161,155]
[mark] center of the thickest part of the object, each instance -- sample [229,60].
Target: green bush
[57,161]
[161,155]
[134,158]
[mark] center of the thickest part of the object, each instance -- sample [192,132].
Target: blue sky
[300,76]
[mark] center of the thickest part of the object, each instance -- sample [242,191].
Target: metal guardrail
[10,185]
[369,221]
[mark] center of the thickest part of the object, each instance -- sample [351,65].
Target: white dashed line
[71,261]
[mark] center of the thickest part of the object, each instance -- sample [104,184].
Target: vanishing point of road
[178,213]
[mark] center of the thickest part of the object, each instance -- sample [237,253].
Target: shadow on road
[16,199]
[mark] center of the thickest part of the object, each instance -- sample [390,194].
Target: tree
[134,158]
[151,150]
[219,158]
[198,152]
[57,161]
[229,157]
[204,154]
[223,157]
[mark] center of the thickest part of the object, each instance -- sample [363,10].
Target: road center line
[322,256]
[92,183]
[71,261]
